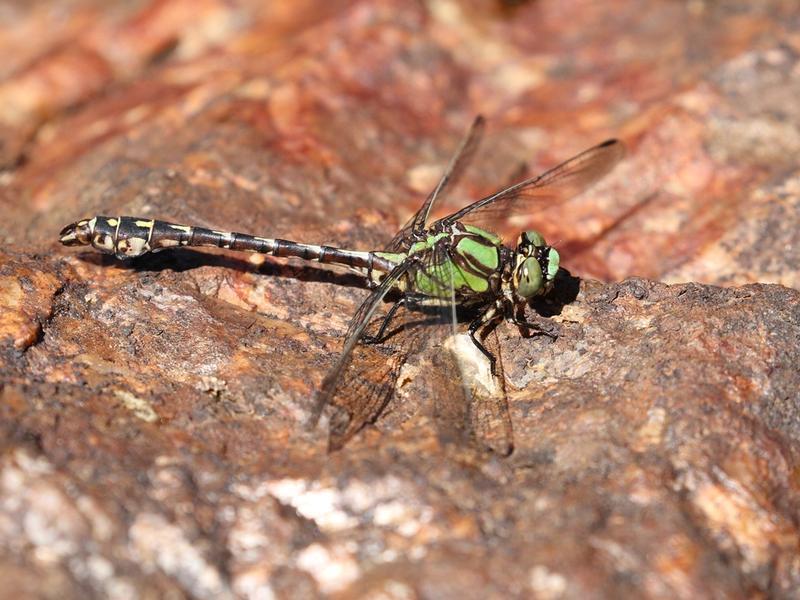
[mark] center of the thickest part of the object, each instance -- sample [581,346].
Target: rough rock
[153,412]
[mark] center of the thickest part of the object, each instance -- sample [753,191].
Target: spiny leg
[488,316]
[379,337]
[410,300]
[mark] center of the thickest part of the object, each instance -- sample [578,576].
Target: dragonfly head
[78,233]
[536,266]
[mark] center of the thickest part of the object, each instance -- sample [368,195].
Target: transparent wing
[366,386]
[446,386]
[364,379]
[488,414]
[471,406]
[455,169]
[333,381]
[552,187]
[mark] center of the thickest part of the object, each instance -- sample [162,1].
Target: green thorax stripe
[477,255]
[472,256]
[495,240]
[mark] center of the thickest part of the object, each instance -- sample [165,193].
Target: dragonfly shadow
[186,259]
[408,324]
[565,291]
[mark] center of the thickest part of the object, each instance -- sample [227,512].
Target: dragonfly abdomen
[128,237]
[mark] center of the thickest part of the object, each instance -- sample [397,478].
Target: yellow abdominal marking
[104,242]
[133,246]
[150,225]
[185,228]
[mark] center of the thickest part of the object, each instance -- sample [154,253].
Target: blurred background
[338,116]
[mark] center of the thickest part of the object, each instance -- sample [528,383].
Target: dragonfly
[444,267]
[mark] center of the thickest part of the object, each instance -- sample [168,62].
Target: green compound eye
[529,278]
[553,260]
[534,238]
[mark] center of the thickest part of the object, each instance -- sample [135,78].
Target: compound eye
[534,238]
[529,278]
[553,260]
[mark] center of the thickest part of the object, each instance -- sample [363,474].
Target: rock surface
[153,412]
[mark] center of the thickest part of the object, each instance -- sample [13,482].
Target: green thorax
[467,256]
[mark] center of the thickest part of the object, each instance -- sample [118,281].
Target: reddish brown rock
[26,299]
[153,412]
[654,450]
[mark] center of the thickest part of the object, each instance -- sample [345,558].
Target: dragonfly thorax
[536,265]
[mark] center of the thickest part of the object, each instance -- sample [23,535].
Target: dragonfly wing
[476,410]
[366,386]
[552,187]
[364,378]
[455,169]
[447,387]
[488,415]
[365,397]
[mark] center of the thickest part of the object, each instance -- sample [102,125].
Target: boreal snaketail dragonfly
[455,262]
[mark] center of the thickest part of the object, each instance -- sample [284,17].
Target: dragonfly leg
[380,336]
[487,317]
